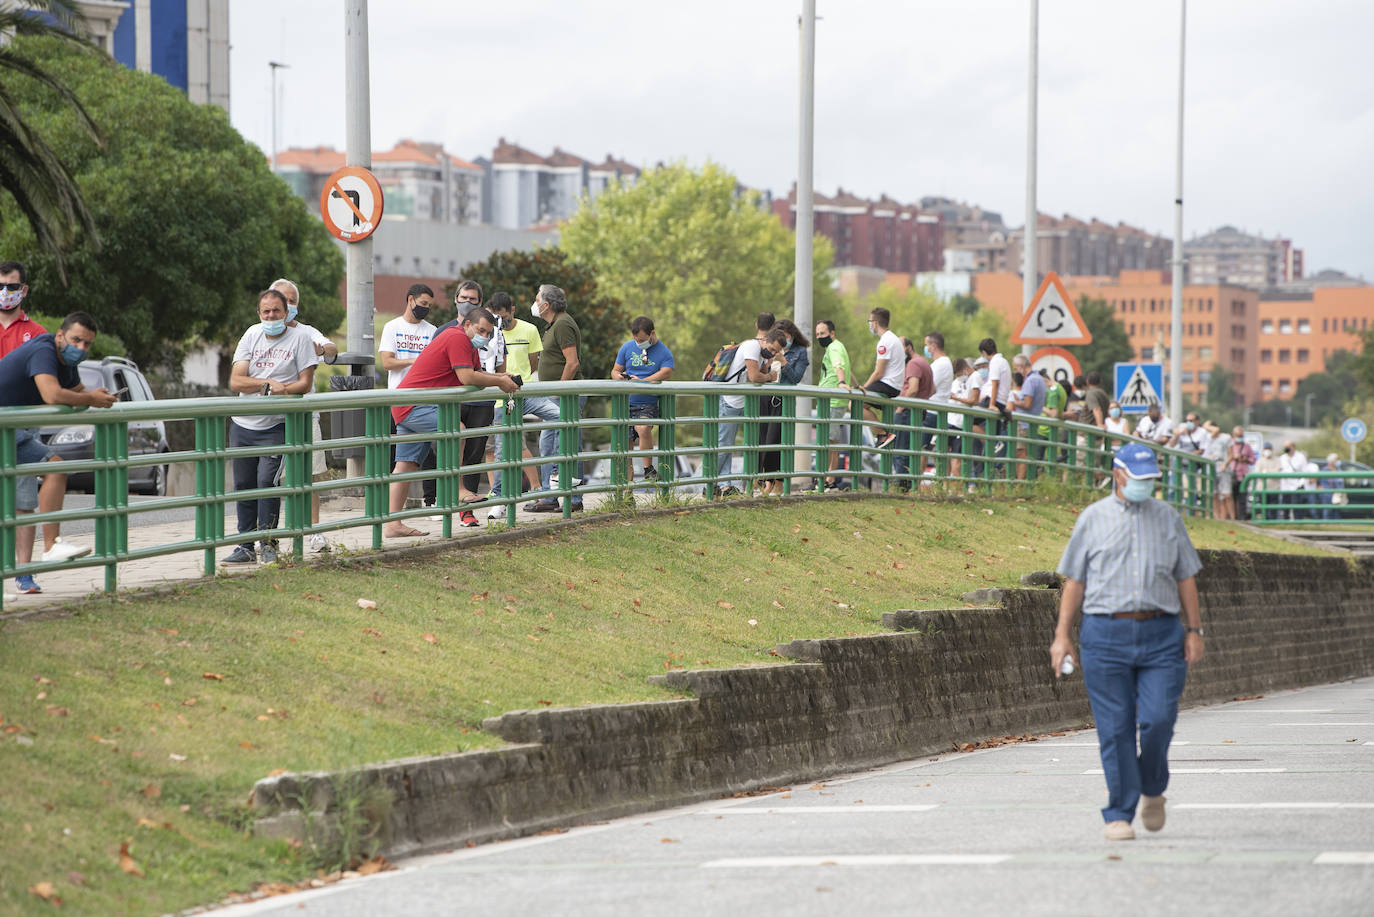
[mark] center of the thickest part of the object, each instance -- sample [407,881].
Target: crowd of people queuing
[488,344]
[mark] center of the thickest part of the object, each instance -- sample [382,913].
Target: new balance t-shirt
[640,363]
[405,341]
[437,366]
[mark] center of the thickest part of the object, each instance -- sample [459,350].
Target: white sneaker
[318,543]
[62,550]
[496,512]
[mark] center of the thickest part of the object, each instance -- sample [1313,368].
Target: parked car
[1361,492]
[76,442]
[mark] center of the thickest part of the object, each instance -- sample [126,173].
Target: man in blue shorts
[643,358]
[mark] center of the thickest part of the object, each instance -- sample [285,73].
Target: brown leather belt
[1138,615]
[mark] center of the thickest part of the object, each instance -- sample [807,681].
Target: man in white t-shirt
[328,352]
[402,340]
[271,359]
[406,335]
[942,371]
[749,365]
[996,391]
[889,371]
[1292,490]
[1154,426]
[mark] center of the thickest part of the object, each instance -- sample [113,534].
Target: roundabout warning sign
[351,204]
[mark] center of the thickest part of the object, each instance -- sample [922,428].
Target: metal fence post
[377,469]
[111,447]
[667,442]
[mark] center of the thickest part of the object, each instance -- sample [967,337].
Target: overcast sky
[913,97]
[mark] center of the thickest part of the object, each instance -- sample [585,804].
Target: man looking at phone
[271,359]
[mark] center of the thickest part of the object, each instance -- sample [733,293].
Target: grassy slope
[310,680]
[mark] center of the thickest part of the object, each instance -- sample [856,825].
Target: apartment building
[524,189]
[884,233]
[1298,332]
[1228,255]
[1220,321]
[1070,246]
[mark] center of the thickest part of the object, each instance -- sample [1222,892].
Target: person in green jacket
[835,373]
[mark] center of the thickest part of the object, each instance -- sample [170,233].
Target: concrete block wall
[945,677]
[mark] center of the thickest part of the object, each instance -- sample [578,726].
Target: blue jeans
[255,472]
[726,437]
[1134,672]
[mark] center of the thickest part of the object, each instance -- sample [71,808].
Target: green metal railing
[1344,498]
[979,454]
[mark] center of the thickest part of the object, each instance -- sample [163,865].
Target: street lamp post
[1176,312]
[1307,411]
[275,67]
[1030,276]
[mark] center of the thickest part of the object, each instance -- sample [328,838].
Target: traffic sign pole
[1353,431]
[358,152]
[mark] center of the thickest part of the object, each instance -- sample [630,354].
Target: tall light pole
[1307,411]
[1176,316]
[275,67]
[1030,278]
[806,143]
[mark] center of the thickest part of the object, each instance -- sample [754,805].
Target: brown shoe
[1118,831]
[1152,812]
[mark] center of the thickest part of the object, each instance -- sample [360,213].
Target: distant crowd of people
[488,345]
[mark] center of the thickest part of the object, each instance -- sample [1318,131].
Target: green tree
[1111,344]
[966,304]
[1363,363]
[604,324]
[41,185]
[1221,389]
[193,221]
[701,258]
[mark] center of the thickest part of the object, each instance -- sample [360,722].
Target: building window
[1147,354]
[1285,387]
[1267,326]
[1132,332]
[1304,326]
[1324,328]
[1266,356]
[1285,355]
[1303,355]
[1205,376]
[1204,353]
[1187,377]
[1285,326]
[1188,353]
[1266,387]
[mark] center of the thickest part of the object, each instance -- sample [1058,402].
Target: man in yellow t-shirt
[523,343]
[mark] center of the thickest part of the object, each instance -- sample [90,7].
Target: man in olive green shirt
[835,373]
[559,361]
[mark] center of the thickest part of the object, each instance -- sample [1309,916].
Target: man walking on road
[1130,565]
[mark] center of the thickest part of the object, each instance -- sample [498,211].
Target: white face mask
[534,309]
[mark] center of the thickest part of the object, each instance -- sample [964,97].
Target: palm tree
[30,171]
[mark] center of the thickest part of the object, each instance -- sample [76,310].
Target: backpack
[718,370]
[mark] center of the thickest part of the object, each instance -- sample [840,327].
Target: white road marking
[1273,805]
[1210,770]
[882,859]
[822,810]
[1269,710]
[1321,724]
[1345,858]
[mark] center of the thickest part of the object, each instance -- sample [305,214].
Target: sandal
[407,532]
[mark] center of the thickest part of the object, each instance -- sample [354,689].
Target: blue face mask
[72,355]
[274,327]
[480,341]
[926,351]
[1138,490]
[292,312]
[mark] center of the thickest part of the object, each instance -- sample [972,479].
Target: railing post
[788,443]
[888,422]
[710,441]
[667,443]
[856,442]
[513,454]
[751,439]
[377,469]
[9,503]
[568,413]
[111,447]
[448,463]
[210,486]
[821,463]
[296,475]
[622,463]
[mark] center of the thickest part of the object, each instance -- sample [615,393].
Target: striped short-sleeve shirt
[1129,556]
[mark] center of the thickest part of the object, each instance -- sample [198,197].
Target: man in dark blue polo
[1130,565]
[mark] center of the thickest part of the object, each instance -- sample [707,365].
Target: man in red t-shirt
[17,328]
[448,360]
[918,381]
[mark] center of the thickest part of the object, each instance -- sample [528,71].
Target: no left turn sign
[351,203]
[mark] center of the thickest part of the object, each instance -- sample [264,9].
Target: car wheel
[157,484]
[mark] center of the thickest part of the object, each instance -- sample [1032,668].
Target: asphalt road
[1271,812]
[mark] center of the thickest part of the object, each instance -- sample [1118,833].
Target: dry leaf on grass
[212,676]
[151,791]
[126,862]
[46,891]
[146,822]
[725,605]
[430,638]
[367,604]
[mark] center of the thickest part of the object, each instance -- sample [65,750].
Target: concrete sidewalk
[67,586]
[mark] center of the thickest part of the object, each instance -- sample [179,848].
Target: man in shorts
[889,372]
[643,358]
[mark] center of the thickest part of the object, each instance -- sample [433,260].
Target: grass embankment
[145,721]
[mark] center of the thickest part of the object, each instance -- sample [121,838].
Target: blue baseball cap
[1137,460]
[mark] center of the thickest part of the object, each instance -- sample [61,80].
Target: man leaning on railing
[44,371]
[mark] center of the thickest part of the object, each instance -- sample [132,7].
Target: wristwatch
[1195,630]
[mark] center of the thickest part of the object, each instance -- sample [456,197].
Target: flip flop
[469,498]
[408,533]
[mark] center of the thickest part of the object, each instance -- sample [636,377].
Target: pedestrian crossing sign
[1139,385]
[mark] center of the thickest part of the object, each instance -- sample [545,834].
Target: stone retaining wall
[1273,621]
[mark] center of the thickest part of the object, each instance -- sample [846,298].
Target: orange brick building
[1297,335]
[1220,322]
